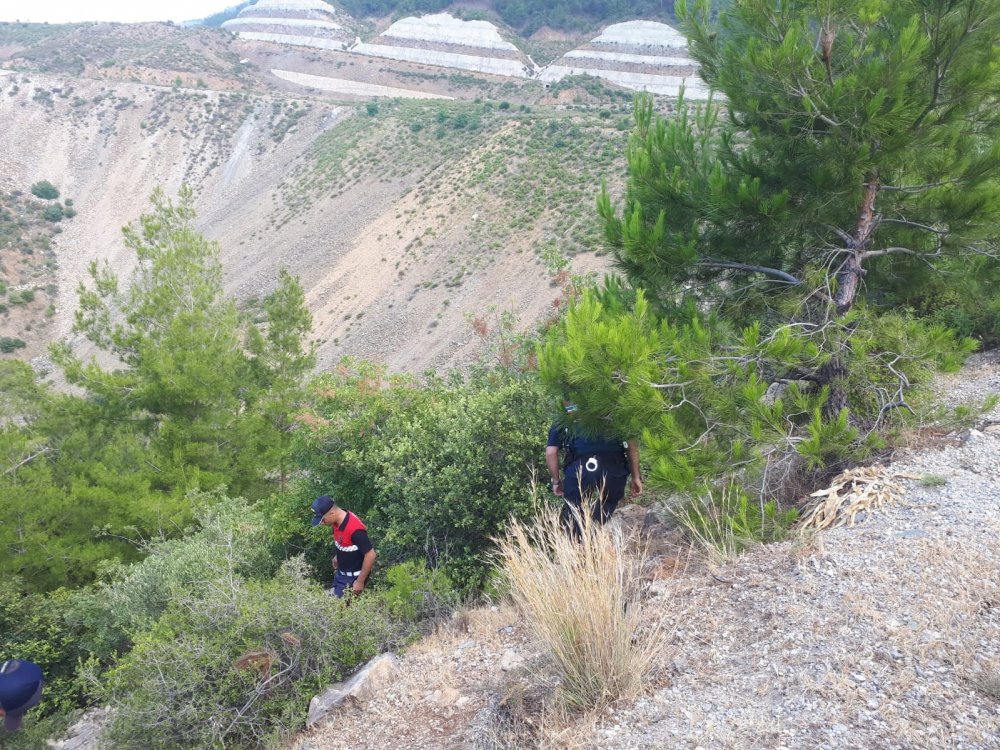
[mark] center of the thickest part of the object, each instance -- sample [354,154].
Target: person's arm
[552,462]
[633,467]
[366,568]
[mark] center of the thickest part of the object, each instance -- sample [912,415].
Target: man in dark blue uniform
[20,689]
[596,468]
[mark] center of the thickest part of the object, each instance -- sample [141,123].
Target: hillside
[404,219]
[881,635]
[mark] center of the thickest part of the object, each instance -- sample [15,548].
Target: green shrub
[39,628]
[8,344]
[434,470]
[44,190]
[235,666]
[53,213]
[417,592]
[371,108]
[230,540]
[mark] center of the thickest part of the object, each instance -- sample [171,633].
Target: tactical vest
[348,559]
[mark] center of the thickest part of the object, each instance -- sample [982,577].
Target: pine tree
[784,233]
[211,411]
[856,143]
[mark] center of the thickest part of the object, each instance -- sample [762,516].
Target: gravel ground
[882,635]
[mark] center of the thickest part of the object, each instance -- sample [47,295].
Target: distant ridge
[639,55]
[303,23]
[440,39]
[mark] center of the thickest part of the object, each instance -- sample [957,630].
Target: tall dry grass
[582,598]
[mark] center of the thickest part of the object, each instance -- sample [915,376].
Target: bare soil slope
[402,223]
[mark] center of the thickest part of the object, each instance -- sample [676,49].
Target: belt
[355,574]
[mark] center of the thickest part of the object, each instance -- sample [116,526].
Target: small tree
[45,190]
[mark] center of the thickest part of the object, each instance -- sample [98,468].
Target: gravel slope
[884,635]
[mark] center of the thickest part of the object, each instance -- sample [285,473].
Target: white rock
[375,675]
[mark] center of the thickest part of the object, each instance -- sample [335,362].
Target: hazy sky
[64,11]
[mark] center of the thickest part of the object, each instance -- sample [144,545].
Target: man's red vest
[343,538]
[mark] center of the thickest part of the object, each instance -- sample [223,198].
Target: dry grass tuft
[582,598]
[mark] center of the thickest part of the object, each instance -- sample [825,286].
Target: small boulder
[510,660]
[446,696]
[371,678]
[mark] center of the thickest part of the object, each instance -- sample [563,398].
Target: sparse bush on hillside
[53,213]
[583,600]
[235,664]
[8,344]
[45,190]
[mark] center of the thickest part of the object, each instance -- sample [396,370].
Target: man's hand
[358,586]
[636,486]
[557,488]
[333,562]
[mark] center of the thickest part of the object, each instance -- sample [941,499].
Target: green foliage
[726,522]
[229,539]
[827,440]
[40,629]
[8,344]
[860,155]
[53,213]
[45,190]
[188,381]
[200,399]
[417,592]
[717,405]
[211,625]
[434,471]
[695,391]
[235,665]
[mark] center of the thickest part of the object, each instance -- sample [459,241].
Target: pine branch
[772,272]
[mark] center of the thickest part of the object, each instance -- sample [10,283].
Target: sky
[67,11]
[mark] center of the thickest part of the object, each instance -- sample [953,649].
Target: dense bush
[236,665]
[221,643]
[435,471]
[45,190]
[8,344]
[42,629]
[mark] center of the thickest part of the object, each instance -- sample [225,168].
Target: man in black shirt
[596,468]
[355,555]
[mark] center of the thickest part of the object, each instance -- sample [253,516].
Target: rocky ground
[881,635]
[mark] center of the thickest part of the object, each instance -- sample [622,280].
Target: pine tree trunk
[834,376]
[834,373]
[850,273]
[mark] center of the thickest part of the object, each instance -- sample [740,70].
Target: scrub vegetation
[791,272]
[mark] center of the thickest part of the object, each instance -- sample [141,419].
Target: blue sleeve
[554,441]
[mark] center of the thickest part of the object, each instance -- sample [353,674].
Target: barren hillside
[401,222]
